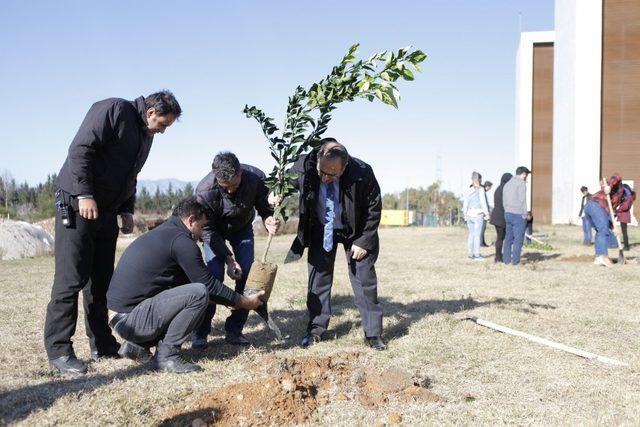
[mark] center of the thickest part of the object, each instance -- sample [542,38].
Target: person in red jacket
[597,210]
[623,213]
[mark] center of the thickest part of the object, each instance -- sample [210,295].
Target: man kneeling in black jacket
[161,287]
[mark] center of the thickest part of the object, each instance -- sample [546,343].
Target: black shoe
[237,339]
[68,365]
[198,343]
[376,343]
[626,248]
[174,364]
[133,351]
[310,339]
[111,353]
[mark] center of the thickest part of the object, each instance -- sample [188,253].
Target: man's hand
[249,303]
[274,200]
[127,223]
[272,225]
[357,252]
[88,208]
[234,271]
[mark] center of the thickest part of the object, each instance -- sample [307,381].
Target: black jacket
[160,259]
[359,197]
[497,214]
[107,153]
[229,213]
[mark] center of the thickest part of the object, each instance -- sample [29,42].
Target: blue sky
[57,58]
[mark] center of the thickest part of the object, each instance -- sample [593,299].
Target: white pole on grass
[546,342]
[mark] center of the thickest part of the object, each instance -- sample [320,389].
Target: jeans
[529,230]
[474,223]
[587,228]
[242,245]
[602,223]
[514,238]
[167,319]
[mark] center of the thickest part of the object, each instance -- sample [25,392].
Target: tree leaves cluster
[309,110]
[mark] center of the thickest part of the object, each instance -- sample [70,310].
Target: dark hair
[522,169]
[225,165]
[584,188]
[164,103]
[189,206]
[336,152]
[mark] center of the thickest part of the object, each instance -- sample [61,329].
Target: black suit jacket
[359,197]
[107,153]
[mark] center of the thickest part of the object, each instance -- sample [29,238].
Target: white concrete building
[579,119]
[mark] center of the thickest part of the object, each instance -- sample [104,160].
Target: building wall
[620,147]
[542,133]
[577,95]
[524,97]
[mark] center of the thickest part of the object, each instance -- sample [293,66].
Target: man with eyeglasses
[340,202]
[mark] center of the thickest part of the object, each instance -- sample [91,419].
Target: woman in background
[475,211]
[623,212]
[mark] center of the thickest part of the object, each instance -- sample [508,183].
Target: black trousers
[167,319]
[500,231]
[84,257]
[484,228]
[625,235]
[364,282]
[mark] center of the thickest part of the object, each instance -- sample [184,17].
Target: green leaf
[407,74]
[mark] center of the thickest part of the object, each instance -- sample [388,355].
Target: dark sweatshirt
[107,153]
[160,259]
[497,214]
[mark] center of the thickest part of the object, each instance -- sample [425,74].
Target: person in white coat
[475,211]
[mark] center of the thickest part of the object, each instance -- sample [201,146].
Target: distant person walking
[514,200]
[487,187]
[475,210]
[623,213]
[587,226]
[597,209]
[528,232]
[497,216]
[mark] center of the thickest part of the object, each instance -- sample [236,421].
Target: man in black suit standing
[340,202]
[97,183]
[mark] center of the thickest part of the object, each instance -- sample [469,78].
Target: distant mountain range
[163,184]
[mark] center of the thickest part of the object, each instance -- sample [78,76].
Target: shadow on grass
[293,323]
[17,404]
[531,257]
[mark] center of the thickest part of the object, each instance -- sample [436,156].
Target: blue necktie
[329,214]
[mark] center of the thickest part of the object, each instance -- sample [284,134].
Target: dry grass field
[426,286]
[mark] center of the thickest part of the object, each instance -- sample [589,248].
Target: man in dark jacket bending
[96,183]
[232,192]
[340,202]
[161,288]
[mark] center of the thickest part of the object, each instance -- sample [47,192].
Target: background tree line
[27,203]
[432,205]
